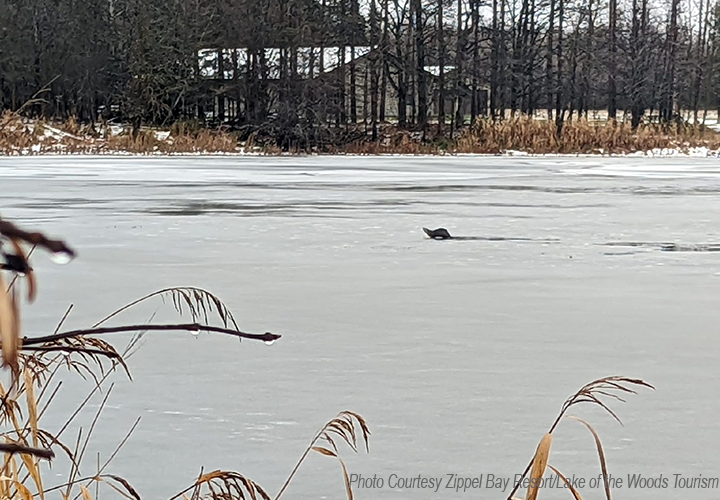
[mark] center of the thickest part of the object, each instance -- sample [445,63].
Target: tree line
[295,69]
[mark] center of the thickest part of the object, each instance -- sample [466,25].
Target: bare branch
[190,327]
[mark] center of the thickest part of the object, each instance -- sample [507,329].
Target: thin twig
[50,400]
[36,96]
[92,392]
[190,327]
[62,320]
[79,456]
[299,462]
[114,453]
[75,454]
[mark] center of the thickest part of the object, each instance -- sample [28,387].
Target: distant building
[220,67]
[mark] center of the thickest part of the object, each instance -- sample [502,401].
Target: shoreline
[698,153]
[522,137]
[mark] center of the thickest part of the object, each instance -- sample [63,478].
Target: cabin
[228,73]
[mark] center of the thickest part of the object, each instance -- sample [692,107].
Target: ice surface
[459,353]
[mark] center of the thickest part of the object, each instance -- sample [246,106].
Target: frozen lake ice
[459,353]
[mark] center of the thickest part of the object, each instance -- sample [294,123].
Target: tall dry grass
[36,364]
[541,137]
[22,136]
[597,393]
[15,135]
[581,136]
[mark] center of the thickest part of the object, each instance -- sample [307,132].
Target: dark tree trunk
[637,88]
[221,96]
[384,65]
[353,88]
[589,59]
[420,70]
[342,82]
[476,60]
[502,83]
[668,94]
[612,63]
[402,90]
[373,61]
[494,62]
[549,61]
[441,63]
[459,116]
[560,93]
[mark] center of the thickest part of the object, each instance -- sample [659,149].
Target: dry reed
[20,136]
[539,464]
[593,393]
[224,485]
[541,137]
[343,427]
[35,361]
[579,136]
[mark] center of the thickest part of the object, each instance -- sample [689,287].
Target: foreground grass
[34,362]
[20,136]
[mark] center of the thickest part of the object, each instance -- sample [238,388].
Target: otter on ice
[443,234]
[438,234]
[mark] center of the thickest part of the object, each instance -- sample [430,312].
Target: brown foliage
[541,137]
[35,362]
[22,136]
